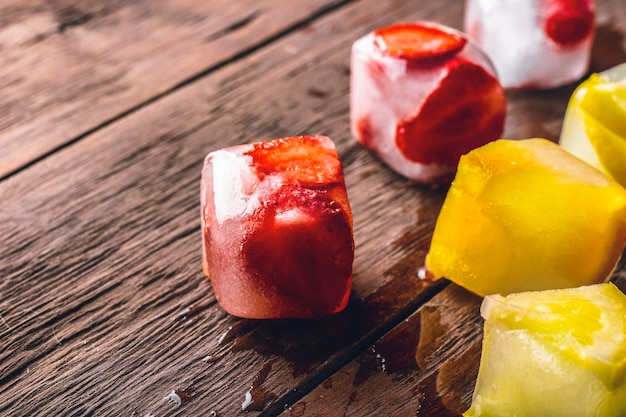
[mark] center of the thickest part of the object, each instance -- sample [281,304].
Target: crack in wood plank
[343,357]
[240,24]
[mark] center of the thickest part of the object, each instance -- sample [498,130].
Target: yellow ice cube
[553,353]
[594,128]
[527,215]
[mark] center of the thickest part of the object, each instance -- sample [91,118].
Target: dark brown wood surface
[107,111]
[71,67]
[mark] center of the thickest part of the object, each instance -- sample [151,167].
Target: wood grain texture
[68,67]
[424,366]
[103,246]
[103,306]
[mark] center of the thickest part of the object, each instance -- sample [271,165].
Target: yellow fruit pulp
[594,128]
[553,353]
[525,216]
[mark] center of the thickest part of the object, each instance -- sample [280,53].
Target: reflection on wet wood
[424,366]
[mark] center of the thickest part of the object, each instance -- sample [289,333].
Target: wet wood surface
[107,111]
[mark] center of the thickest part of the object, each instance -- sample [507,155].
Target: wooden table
[107,109]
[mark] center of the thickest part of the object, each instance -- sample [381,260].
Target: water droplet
[424,274]
[257,398]
[297,409]
[186,393]
[188,313]
[212,358]
[381,360]
[247,401]
[180,396]
[173,398]
[223,335]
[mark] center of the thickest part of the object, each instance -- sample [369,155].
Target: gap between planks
[344,357]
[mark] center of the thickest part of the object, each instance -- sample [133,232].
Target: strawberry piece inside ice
[302,252]
[465,111]
[570,22]
[418,41]
[300,159]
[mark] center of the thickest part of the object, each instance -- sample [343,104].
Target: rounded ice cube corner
[526,215]
[421,95]
[534,44]
[277,228]
[594,127]
[553,353]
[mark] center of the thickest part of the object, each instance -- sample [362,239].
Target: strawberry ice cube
[277,228]
[534,43]
[422,95]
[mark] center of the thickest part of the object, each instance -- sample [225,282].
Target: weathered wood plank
[101,245]
[422,367]
[67,67]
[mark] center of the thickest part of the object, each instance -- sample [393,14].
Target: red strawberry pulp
[364,132]
[300,254]
[569,21]
[465,111]
[418,41]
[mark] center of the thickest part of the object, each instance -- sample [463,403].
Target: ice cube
[422,95]
[534,43]
[277,228]
[594,128]
[553,353]
[526,215]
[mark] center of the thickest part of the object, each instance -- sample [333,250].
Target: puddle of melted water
[257,398]
[433,330]
[430,401]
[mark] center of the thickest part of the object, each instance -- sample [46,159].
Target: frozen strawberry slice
[301,253]
[418,41]
[570,21]
[303,159]
[466,111]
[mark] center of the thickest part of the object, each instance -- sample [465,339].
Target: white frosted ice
[616,74]
[231,184]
